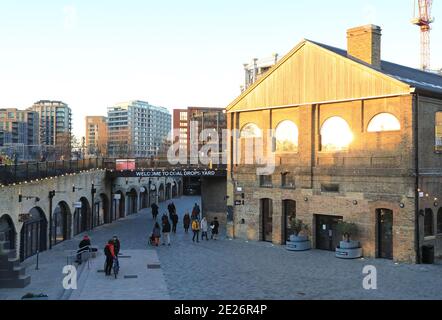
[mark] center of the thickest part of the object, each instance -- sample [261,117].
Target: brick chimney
[364,43]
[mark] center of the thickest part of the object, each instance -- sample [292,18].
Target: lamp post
[93,192]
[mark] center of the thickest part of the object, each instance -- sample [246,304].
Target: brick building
[355,138]
[96,135]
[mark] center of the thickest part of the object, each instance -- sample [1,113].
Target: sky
[173,53]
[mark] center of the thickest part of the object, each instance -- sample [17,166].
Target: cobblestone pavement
[223,269]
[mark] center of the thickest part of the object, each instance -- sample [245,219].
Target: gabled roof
[424,82]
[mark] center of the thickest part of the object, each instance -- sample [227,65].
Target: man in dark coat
[154,208]
[174,222]
[84,246]
[215,228]
[117,245]
[166,231]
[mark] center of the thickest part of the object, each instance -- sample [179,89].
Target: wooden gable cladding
[312,74]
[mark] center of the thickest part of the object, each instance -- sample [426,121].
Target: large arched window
[336,135]
[428,223]
[384,122]
[251,130]
[286,135]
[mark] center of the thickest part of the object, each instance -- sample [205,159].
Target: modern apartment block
[96,135]
[202,118]
[137,129]
[55,122]
[19,127]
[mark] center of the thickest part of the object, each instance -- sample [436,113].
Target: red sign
[125,164]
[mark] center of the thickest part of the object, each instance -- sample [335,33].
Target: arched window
[428,223]
[336,135]
[251,130]
[384,122]
[286,135]
[439,221]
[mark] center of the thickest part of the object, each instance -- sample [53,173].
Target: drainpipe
[416,164]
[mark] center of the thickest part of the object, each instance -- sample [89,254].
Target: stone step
[13,273]
[7,263]
[21,282]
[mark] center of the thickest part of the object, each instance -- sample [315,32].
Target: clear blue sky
[174,53]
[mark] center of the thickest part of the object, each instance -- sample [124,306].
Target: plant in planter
[299,241]
[348,248]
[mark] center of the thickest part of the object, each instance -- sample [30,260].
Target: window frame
[321,145]
[276,139]
[384,131]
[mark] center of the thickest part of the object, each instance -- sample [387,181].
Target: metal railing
[29,171]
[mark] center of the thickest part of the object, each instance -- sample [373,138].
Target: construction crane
[424,21]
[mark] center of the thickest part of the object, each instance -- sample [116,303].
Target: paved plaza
[222,269]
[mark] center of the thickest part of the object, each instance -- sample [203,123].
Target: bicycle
[116,267]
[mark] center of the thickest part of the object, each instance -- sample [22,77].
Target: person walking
[117,245]
[156,234]
[196,212]
[196,230]
[155,209]
[186,222]
[174,222]
[170,209]
[204,229]
[215,229]
[166,231]
[110,256]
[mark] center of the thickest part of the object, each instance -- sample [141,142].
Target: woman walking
[196,230]
[204,229]
[156,234]
[186,222]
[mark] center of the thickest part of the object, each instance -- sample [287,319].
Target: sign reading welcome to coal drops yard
[176,173]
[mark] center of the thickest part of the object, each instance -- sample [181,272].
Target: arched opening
[144,197]
[384,219]
[33,234]
[180,188]
[266,206]
[384,122]
[7,232]
[132,198]
[251,130]
[82,217]
[104,209]
[61,222]
[168,191]
[161,194]
[336,135]
[286,135]
[119,205]
[428,223]
[289,214]
[439,221]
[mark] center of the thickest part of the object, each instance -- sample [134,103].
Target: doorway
[267,219]
[327,235]
[385,233]
[288,213]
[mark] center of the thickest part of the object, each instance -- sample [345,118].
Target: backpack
[195,225]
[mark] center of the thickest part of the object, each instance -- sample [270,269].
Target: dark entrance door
[267,222]
[327,236]
[288,213]
[385,233]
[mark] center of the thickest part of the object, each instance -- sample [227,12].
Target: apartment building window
[288,180]
[265,181]
[438,132]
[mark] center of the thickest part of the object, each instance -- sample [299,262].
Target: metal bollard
[38,255]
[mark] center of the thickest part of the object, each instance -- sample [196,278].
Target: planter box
[349,250]
[298,243]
